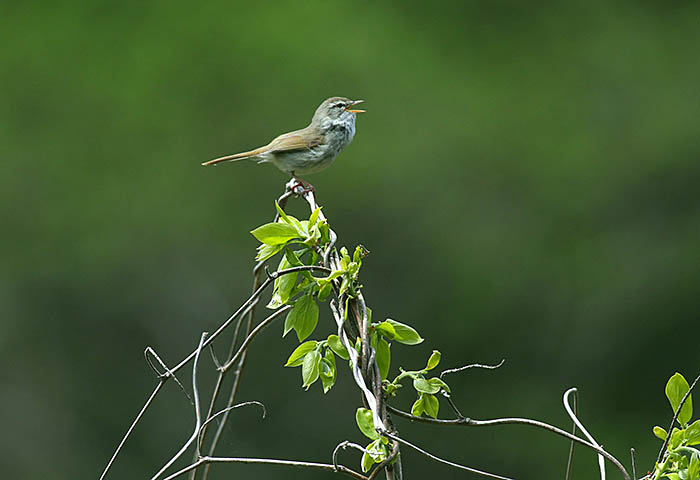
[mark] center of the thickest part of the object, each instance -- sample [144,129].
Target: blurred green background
[526,179]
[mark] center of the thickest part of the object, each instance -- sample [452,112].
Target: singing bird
[310,149]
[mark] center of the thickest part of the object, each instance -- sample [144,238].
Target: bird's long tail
[232,158]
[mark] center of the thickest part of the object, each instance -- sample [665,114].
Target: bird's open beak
[348,108]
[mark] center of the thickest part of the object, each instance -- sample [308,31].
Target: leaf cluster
[681,459]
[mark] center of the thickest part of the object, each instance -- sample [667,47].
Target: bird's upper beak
[355,102]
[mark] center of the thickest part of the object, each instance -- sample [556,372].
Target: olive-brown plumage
[310,149]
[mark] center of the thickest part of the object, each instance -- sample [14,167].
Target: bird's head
[337,108]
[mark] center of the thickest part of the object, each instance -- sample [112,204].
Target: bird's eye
[341,104]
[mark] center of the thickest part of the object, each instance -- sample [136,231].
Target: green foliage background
[526,179]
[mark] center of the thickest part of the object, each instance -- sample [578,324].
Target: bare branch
[261,326]
[634,466]
[198,413]
[468,422]
[577,422]
[167,373]
[473,365]
[570,459]
[126,436]
[446,462]
[270,461]
[342,446]
[225,410]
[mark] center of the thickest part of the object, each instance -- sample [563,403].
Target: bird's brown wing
[289,142]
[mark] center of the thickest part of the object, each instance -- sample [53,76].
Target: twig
[342,446]
[208,341]
[473,365]
[634,466]
[468,422]
[167,373]
[198,413]
[577,422]
[261,326]
[570,459]
[220,412]
[675,417]
[126,436]
[270,461]
[446,462]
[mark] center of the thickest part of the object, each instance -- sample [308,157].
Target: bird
[310,149]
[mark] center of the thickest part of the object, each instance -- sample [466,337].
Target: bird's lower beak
[349,109]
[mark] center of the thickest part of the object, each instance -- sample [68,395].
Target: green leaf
[284,284]
[405,334]
[364,420]
[314,217]
[367,461]
[275,233]
[434,360]
[303,318]
[328,371]
[383,357]
[676,437]
[431,405]
[310,368]
[440,384]
[267,251]
[692,433]
[676,388]
[283,215]
[423,386]
[659,432]
[386,329]
[324,292]
[694,467]
[418,407]
[336,345]
[297,356]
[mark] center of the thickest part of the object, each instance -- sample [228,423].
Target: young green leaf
[313,219]
[431,405]
[434,360]
[284,284]
[327,372]
[282,215]
[676,388]
[405,334]
[383,357]
[303,317]
[267,251]
[364,420]
[659,432]
[386,329]
[310,368]
[439,383]
[297,356]
[367,462]
[692,433]
[337,346]
[275,233]
[694,467]
[676,437]
[418,407]
[423,386]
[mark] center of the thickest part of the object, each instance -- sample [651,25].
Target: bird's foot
[300,187]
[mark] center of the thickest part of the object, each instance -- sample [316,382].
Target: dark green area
[526,178]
